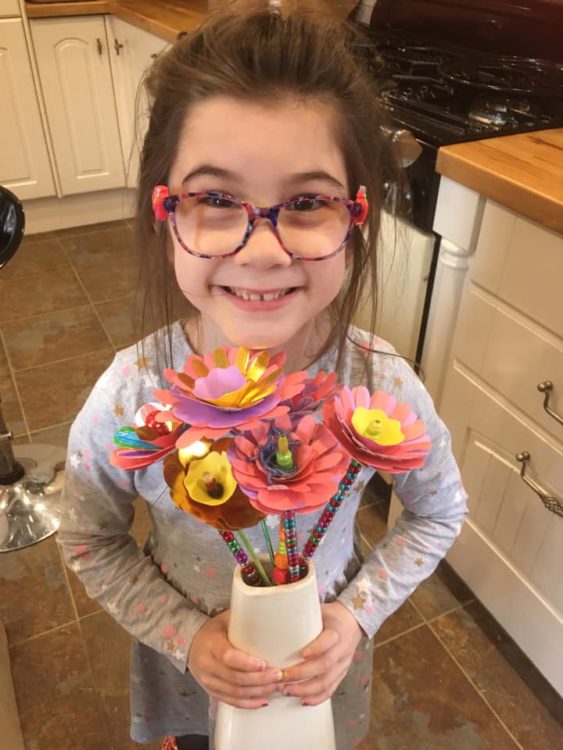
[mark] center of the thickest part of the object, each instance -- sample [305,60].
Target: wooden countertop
[522,172]
[165,18]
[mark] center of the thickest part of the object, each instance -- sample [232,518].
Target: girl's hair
[253,52]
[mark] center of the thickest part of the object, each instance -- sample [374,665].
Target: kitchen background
[447,674]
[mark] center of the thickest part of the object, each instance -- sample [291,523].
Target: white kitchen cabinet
[24,160]
[508,339]
[132,51]
[9,8]
[74,69]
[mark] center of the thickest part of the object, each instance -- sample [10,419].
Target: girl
[266,107]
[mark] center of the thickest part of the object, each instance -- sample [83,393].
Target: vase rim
[267,590]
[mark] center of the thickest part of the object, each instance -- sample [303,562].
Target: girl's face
[264,155]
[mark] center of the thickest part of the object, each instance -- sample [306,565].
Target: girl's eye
[306,204]
[216,201]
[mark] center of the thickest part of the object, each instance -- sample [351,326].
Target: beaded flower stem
[248,568]
[293,567]
[330,510]
[263,575]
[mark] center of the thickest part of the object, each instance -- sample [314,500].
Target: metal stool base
[29,507]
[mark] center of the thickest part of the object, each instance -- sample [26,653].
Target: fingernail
[264,705]
[279,676]
[305,704]
[287,693]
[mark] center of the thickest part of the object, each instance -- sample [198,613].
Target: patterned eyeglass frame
[164,206]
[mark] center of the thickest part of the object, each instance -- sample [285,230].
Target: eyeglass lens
[309,227]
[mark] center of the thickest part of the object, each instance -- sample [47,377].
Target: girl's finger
[241,661]
[242,702]
[237,678]
[220,688]
[326,640]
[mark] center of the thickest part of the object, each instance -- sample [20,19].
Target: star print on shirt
[364,585]
[358,602]
[143,363]
[397,382]
[419,561]
[75,459]
[118,411]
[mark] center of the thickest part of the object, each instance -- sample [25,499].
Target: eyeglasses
[217,225]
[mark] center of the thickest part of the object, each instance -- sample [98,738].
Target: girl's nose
[263,248]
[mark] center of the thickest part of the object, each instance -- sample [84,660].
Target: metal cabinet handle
[551,503]
[546,387]
[117,46]
[99,46]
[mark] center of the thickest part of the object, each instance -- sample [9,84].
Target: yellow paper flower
[375,425]
[210,480]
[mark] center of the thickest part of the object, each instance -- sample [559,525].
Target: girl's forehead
[258,141]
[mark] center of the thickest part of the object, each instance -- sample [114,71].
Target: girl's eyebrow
[318,174]
[211,170]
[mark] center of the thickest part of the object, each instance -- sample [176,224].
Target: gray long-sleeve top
[164,594]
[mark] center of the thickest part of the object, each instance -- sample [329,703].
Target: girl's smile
[260,297]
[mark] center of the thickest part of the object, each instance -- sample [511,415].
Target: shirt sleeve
[434,509]
[96,517]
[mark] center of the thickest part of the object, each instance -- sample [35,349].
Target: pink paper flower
[315,391]
[319,463]
[376,430]
[228,389]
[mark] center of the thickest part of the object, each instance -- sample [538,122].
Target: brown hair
[252,52]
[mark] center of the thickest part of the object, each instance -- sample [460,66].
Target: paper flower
[315,391]
[275,482]
[228,389]
[376,430]
[202,484]
[147,441]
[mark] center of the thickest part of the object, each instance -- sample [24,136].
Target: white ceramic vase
[275,623]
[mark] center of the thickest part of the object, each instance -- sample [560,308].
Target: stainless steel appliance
[451,71]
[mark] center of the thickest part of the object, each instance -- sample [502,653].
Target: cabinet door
[73,61]
[24,159]
[132,51]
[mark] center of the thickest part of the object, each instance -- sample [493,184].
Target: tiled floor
[446,676]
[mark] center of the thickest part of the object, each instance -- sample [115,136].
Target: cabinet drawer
[511,354]
[9,8]
[486,437]
[522,263]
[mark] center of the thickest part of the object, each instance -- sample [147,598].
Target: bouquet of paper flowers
[240,440]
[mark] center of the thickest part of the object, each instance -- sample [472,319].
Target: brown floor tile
[89,228]
[405,618]
[83,603]
[442,591]
[105,282]
[523,699]
[106,262]
[371,524]
[142,523]
[42,255]
[33,591]
[10,405]
[99,247]
[40,293]
[119,319]
[53,336]
[54,393]
[422,700]
[57,435]
[4,369]
[108,649]
[59,708]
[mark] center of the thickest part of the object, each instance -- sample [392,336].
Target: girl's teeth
[256,297]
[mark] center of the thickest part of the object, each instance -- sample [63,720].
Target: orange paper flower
[202,484]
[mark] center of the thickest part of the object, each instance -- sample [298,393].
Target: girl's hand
[226,673]
[327,658]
